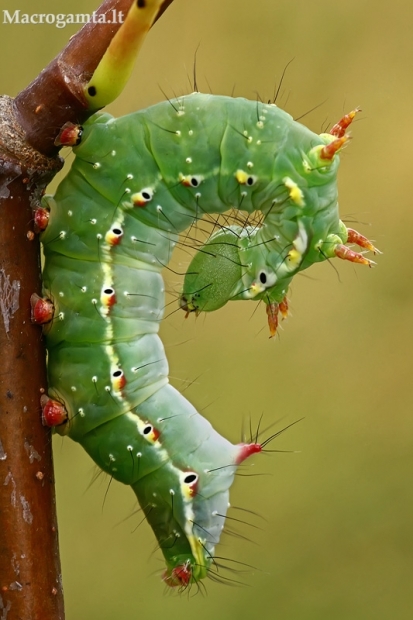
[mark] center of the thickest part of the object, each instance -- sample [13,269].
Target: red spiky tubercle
[246,450]
[41,219]
[179,577]
[42,310]
[53,412]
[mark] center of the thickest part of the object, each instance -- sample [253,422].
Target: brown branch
[56,95]
[30,580]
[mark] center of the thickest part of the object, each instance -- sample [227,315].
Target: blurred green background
[335,540]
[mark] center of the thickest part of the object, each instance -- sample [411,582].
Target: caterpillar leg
[42,310]
[54,413]
[41,219]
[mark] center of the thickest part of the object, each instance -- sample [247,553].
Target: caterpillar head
[213,273]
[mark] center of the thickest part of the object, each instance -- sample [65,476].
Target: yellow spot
[241,176]
[295,192]
[294,257]
[256,288]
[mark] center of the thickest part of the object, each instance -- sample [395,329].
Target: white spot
[70,213]
[73,388]
[61,294]
[250,164]
[129,448]
[113,153]
[260,124]
[159,208]
[93,221]
[62,234]
[190,132]
[98,236]
[172,492]
[94,379]
[188,160]
[84,289]
[178,133]
[127,190]
[94,301]
[107,388]
[96,166]
[112,458]
[61,316]
[81,412]
[129,176]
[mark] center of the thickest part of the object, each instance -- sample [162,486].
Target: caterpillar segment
[299,226]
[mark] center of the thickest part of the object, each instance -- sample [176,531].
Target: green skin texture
[142,431]
[231,264]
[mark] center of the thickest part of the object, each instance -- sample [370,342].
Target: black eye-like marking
[190,478]
[263,277]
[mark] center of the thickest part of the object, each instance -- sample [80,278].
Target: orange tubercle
[329,150]
[272,315]
[339,128]
[360,240]
[342,251]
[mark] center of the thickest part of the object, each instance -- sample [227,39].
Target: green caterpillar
[136,183]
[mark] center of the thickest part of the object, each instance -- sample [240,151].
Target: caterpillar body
[136,183]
